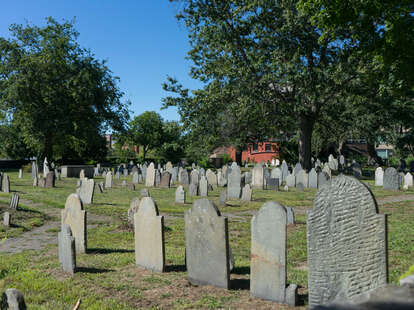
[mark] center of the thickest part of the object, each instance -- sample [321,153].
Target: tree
[60,96]
[146,130]
[267,70]
[172,148]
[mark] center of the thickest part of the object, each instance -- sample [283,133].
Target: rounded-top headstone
[13,299]
[147,207]
[74,202]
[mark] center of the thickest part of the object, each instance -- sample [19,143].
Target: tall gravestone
[207,245]
[291,180]
[391,179]
[313,178]
[184,177]
[67,250]
[303,178]
[87,190]
[298,167]
[157,177]
[234,182]
[195,177]
[74,216]
[258,176]
[347,244]
[211,178]
[203,187]
[108,180]
[285,170]
[149,236]
[150,176]
[6,183]
[268,255]
[246,193]
[379,177]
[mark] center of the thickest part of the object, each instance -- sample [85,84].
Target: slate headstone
[291,180]
[290,215]
[193,190]
[285,170]
[273,184]
[66,249]
[298,167]
[391,179]
[50,180]
[302,177]
[195,177]
[184,177]
[234,182]
[165,179]
[258,176]
[203,187]
[223,198]
[5,183]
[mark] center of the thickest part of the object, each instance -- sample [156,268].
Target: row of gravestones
[391,179]
[14,205]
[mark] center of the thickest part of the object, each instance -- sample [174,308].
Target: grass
[108,279]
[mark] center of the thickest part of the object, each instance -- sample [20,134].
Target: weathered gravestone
[313,178]
[379,177]
[20,173]
[149,236]
[108,180]
[133,208]
[87,190]
[195,177]
[5,183]
[157,177]
[285,170]
[207,245]
[273,184]
[203,187]
[300,187]
[408,180]
[145,193]
[135,178]
[184,177]
[193,189]
[347,244]
[12,299]
[257,176]
[150,177]
[67,251]
[391,179]
[74,216]
[42,182]
[327,170]
[223,197]
[323,178]
[302,177]
[211,178]
[180,194]
[6,219]
[246,193]
[268,255]
[266,175]
[234,182]
[290,215]
[291,180]
[14,201]
[131,187]
[298,167]
[174,175]
[276,174]
[34,169]
[165,179]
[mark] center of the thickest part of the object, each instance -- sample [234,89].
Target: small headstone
[165,179]
[379,177]
[223,197]
[276,174]
[193,189]
[273,184]
[300,187]
[145,193]
[20,173]
[246,193]
[234,182]
[268,255]
[180,194]
[74,216]
[408,180]
[149,236]
[50,180]
[67,250]
[203,187]
[391,179]
[12,299]
[184,177]
[207,245]
[291,180]
[286,188]
[347,243]
[6,183]
[6,219]
[42,182]
[108,180]
[313,179]
[14,201]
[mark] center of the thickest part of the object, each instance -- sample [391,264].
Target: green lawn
[107,276]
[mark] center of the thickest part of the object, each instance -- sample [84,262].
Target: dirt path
[38,238]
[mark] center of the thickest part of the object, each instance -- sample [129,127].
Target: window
[255,147]
[268,147]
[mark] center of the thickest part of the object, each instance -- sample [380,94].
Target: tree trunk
[48,147]
[305,142]
[239,156]
[144,154]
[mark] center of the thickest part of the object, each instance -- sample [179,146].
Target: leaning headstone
[347,243]
[149,236]
[203,187]
[150,177]
[223,198]
[74,216]
[207,245]
[86,191]
[133,208]
[67,250]
[165,179]
[379,177]
[180,194]
[12,299]
[408,180]
[268,255]
[258,176]
[234,182]
[14,201]
[193,189]
[108,180]
[313,178]
[6,183]
[291,180]
[101,186]
[6,219]
[391,179]
[246,193]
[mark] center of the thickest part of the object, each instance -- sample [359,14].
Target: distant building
[385,151]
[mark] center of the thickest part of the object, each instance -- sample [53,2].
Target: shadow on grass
[105,204]
[108,251]
[240,284]
[241,270]
[175,268]
[92,270]
[303,299]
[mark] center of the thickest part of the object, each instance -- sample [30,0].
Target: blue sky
[141,39]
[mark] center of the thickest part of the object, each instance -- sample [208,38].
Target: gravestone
[125,172]
[124,183]
[12,299]
[34,169]
[391,179]
[327,170]
[247,177]
[108,180]
[14,201]
[290,216]
[246,193]
[150,176]
[101,186]
[356,170]
[225,171]
[298,167]
[45,167]
[342,161]
[285,170]
[180,194]
[347,244]
[95,171]
[211,178]
[74,216]
[174,175]
[82,174]
[408,180]
[291,180]
[379,177]
[276,174]
[144,171]
[207,245]
[268,255]
[131,186]
[133,208]
[6,219]
[169,167]
[184,177]
[302,177]
[6,183]
[313,178]
[145,193]
[42,182]
[157,177]
[165,179]
[195,177]
[57,174]
[87,190]
[66,249]
[193,189]
[273,184]
[266,175]
[234,182]
[257,176]
[323,178]
[203,187]
[20,173]
[35,182]
[135,178]
[300,187]
[223,197]
[149,236]
[220,178]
